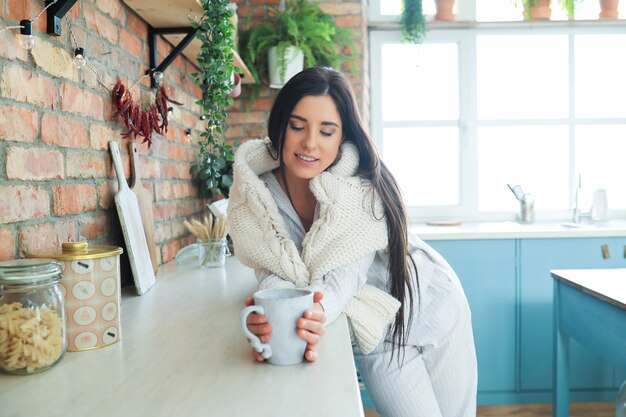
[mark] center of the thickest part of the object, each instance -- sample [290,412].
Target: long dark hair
[330,82]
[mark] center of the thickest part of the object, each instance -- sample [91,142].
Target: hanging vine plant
[412,21]
[213,170]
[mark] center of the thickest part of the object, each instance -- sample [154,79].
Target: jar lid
[29,271]
[72,251]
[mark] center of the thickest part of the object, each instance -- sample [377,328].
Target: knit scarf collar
[350,223]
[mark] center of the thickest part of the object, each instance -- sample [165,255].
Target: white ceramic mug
[282,307]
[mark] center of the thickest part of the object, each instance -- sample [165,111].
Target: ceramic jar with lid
[32,316]
[91,285]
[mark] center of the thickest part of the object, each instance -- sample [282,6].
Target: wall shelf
[173,14]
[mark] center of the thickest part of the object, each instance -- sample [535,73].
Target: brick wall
[57,183]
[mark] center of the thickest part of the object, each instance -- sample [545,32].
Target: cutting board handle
[135,181]
[117,162]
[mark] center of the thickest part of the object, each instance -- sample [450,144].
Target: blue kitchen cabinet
[591,378]
[486,269]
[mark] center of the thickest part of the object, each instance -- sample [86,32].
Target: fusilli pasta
[30,337]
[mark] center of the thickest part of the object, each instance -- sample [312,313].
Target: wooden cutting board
[144,199]
[132,228]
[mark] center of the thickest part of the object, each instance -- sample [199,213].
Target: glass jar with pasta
[32,316]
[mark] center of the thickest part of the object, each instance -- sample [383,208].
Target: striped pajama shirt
[437,375]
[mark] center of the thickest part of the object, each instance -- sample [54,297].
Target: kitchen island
[589,306]
[182,353]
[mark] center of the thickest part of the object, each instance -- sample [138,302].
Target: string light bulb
[158,78]
[26,40]
[80,58]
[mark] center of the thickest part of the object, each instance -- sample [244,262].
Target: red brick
[21,202]
[169,250]
[162,232]
[349,21]
[74,199]
[63,131]
[18,124]
[247,118]
[254,131]
[106,193]
[151,168]
[245,11]
[272,2]
[46,235]
[340,9]
[26,86]
[10,47]
[130,43]
[263,104]
[7,245]
[77,100]
[169,170]
[115,9]
[34,164]
[101,24]
[233,132]
[164,191]
[85,165]
[137,25]
[100,136]
[25,9]
[93,228]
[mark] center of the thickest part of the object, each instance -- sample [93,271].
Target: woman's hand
[310,327]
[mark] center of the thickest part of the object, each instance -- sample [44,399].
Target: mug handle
[263,348]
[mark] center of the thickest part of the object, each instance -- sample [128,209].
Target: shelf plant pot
[537,10]
[608,9]
[444,10]
[281,70]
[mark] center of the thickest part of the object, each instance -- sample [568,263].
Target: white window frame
[465,35]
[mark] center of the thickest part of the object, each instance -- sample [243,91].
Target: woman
[314,206]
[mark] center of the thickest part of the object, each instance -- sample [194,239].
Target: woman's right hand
[258,325]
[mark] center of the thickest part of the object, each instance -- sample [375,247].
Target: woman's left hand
[311,327]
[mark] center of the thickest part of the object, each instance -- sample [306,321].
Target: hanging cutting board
[144,199]
[132,228]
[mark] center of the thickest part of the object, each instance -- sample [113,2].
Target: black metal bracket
[178,49]
[55,13]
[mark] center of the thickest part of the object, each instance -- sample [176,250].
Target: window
[477,106]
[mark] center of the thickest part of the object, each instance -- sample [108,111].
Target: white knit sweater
[348,227]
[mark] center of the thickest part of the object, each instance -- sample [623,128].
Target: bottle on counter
[32,316]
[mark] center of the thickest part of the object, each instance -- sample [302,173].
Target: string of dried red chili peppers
[138,121]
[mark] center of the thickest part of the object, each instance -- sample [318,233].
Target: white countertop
[514,230]
[182,353]
[608,285]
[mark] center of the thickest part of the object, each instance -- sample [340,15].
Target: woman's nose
[309,142]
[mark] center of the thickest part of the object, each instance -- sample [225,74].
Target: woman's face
[313,137]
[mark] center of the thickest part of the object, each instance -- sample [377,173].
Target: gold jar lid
[71,251]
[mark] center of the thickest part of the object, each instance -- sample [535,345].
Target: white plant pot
[295,63]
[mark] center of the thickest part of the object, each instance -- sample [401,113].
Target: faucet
[577,214]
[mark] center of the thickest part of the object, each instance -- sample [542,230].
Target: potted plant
[412,21]
[213,170]
[608,9]
[537,9]
[299,31]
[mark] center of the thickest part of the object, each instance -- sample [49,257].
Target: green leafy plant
[301,24]
[569,6]
[213,170]
[412,21]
